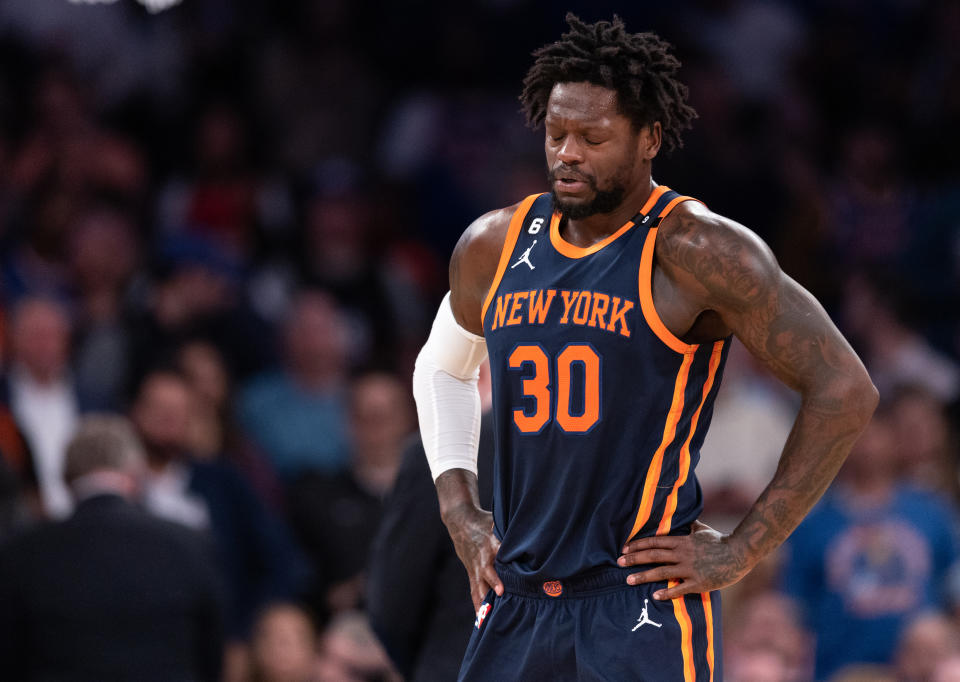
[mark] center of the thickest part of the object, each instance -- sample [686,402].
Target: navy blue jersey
[600,411]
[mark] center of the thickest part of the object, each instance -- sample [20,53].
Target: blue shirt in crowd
[297,429]
[859,575]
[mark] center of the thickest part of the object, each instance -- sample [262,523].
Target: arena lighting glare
[153,6]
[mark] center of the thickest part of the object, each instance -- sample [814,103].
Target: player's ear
[650,138]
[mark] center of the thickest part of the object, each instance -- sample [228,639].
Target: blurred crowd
[229,222]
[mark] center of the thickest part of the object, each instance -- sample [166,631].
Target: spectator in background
[64,160]
[895,354]
[925,441]
[338,257]
[110,593]
[35,263]
[801,234]
[103,257]
[202,366]
[227,201]
[873,553]
[253,549]
[349,652]
[213,430]
[336,516]
[767,637]
[42,395]
[284,645]
[297,415]
[929,639]
[196,293]
[870,208]
[760,665]
[947,670]
[864,673]
[419,602]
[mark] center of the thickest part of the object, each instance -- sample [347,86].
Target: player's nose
[569,152]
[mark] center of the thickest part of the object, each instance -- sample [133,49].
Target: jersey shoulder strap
[661,202]
[660,210]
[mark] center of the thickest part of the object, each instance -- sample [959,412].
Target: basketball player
[607,307]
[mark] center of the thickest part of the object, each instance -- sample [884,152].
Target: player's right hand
[471,530]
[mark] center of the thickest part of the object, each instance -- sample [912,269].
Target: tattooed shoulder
[720,260]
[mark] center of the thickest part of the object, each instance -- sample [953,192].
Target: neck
[316,377]
[377,477]
[870,491]
[158,459]
[45,378]
[589,230]
[101,304]
[103,482]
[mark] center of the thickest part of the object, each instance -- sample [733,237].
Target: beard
[603,201]
[161,449]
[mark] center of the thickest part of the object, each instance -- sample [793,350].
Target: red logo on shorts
[553,588]
[481,614]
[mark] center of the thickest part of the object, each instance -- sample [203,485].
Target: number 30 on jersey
[559,373]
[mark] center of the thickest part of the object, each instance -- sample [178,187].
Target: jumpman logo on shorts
[525,258]
[644,619]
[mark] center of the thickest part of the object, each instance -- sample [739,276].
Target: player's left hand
[702,561]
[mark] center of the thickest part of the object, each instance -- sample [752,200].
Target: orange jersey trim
[572,251]
[669,433]
[513,233]
[671,505]
[708,616]
[673,202]
[646,287]
[686,635]
[650,313]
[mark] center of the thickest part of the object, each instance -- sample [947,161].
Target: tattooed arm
[722,276]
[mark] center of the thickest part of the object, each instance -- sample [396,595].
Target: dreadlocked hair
[638,66]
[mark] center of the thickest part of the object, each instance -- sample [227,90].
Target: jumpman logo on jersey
[525,258]
[644,619]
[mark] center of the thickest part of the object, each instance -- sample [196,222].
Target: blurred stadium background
[251,205]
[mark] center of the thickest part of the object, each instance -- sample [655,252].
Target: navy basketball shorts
[593,627]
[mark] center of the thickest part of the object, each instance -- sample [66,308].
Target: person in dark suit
[418,595]
[12,510]
[253,549]
[110,593]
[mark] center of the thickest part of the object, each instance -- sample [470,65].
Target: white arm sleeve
[445,388]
